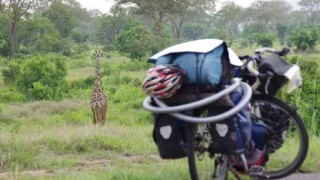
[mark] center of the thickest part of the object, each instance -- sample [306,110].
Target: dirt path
[101,163]
[86,165]
[90,164]
[303,176]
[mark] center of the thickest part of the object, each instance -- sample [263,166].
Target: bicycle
[205,163]
[266,109]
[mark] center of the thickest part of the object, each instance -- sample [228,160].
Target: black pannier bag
[230,136]
[170,136]
[275,64]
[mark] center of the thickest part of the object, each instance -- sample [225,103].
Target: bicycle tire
[295,119]
[204,169]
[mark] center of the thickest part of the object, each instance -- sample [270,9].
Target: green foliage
[264,39]
[135,65]
[135,42]
[7,96]
[193,30]
[108,69]
[229,18]
[3,30]
[18,155]
[38,34]
[110,26]
[43,78]
[244,42]
[305,38]
[78,37]
[61,15]
[158,43]
[307,96]
[281,31]
[250,30]
[253,28]
[4,35]
[221,34]
[11,73]
[2,43]
[83,83]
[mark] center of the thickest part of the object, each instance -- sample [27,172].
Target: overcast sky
[105,5]
[102,5]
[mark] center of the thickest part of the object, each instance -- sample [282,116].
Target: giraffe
[99,102]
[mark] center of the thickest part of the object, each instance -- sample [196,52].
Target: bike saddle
[275,64]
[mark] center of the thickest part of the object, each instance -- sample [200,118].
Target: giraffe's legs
[104,111]
[94,115]
[99,114]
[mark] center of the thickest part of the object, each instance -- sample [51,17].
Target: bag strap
[172,58]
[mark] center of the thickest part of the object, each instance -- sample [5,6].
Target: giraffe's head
[98,54]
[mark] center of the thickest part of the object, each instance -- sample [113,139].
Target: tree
[250,30]
[264,39]
[38,34]
[193,30]
[229,19]
[184,9]
[135,41]
[155,9]
[15,10]
[310,8]
[269,13]
[4,35]
[110,26]
[176,11]
[281,31]
[64,15]
[305,38]
[1,6]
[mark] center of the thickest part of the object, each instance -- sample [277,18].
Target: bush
[83,83]
[305,38]
[244,43]
[135,42]
[306,98]
[264,39]
[10,75]
[11,96]
[135,65]
[108,69]
[43,78]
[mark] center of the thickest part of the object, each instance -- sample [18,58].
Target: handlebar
[259,52]
[257,58]
[283,52]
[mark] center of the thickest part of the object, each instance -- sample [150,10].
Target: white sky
[105,5]
[102,5]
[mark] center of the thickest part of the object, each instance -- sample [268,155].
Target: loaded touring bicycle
[216,109]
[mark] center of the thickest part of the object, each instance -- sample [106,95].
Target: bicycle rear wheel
[287,138]
[202,164]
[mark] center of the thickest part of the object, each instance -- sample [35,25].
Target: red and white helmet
[163,81]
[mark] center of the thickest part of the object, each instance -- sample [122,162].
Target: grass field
[56,140]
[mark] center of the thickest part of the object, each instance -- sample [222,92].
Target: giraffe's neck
[97,83]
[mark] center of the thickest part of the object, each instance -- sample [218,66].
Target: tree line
[142,27]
